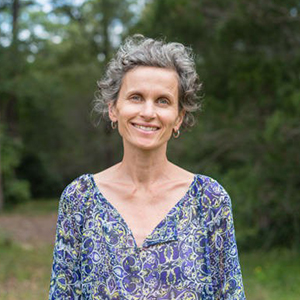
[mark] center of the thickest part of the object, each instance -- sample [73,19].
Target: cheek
[171,118]
[125,113]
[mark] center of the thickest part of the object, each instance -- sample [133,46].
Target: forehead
[153,78]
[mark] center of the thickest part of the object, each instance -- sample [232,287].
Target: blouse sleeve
[224,262]
[66,277]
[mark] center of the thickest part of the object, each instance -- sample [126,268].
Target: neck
[143,167]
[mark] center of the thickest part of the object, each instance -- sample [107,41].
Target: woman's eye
[163,101]
[136,98]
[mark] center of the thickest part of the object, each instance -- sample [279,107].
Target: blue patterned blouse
[191,254]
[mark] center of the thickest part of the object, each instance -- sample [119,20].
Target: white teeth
[146,128]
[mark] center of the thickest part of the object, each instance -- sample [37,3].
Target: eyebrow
[140,92]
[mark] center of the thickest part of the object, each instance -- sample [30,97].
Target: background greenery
[247,135]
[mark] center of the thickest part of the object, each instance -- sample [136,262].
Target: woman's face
[147,109]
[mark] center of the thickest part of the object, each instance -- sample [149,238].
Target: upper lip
[145,125]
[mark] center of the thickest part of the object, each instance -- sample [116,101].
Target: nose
[147,110]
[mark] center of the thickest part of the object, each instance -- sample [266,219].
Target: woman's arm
[224,262]
[66,277]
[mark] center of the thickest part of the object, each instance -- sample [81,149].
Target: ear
[112,113]
[179,120]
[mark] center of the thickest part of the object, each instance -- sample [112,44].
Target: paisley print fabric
[190,255]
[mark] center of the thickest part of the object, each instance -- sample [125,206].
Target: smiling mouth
[146,128]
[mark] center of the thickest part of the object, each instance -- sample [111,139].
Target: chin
[147,145]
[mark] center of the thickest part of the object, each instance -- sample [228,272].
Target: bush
[15,190]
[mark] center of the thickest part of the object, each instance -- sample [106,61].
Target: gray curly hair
[140,51]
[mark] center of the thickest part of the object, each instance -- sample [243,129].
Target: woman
[146,228]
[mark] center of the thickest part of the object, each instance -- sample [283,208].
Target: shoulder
[77,191]
[209,184]
[78,186]
[213,193]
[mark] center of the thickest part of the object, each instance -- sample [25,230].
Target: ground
[26,245]
[29,230]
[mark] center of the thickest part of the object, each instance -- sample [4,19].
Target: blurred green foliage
[15,189]
[247,137]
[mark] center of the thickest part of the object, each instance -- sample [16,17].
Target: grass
[33,208]
[25,268]
[273,275]
[24,271]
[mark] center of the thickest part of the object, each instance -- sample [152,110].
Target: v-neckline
[118,214]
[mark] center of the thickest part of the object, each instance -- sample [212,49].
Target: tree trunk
[105,25]
[9,113]
[1,186]
[15,15]
[10,108]
[109,150]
